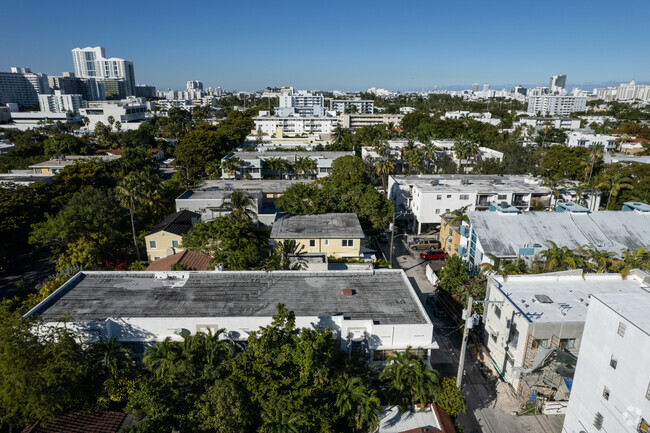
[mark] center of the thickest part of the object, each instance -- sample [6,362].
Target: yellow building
[335,234]
[449,236]
[165,239]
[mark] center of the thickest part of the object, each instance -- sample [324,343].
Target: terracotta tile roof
[192,260]
[446,424]
[80,422]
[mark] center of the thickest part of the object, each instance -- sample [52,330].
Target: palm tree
[614,182]
[86,122]
[212,346]
[458,216]
[161,357]
[464,150]
[240,205]
[561,258]
[232,165]
[639,258]
[278,419]
[138,189]
[368,412]
[408,380]
[429,152]
[287,251]
[384,167]
[110,356]
[353,397]
[118,126]
[304,165]
[111,121]
[600,261]
[337,135]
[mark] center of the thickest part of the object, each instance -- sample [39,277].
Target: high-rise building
[145,91]
[486,87]
[475,87]
[558,105]
[89,88]
[557,83]
[59,102]
[22,86]
[520,90]
[194,85]
[91,62]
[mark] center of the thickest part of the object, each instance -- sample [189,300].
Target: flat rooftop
[479,183]
[631,306]
[382,295]
[292,155]
[264,185]
[504,234]
[321,226]
[569,293]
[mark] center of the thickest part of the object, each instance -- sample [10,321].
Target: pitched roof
[80,422]
[321,226]
[193,261]
[177,223]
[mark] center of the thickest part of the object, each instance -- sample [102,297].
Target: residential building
[430,420]
[188,260]
[194,85]
[428,197]
[22,178]
[557,83]
[301,103]
[611,386]
[342,106]
[373,311]
[22,87]
[91,62]
[608,143]
[534,323]
[336,234]
[207,199]
[545,122]
[406,110]
[89,88]
[166,237]
[358,121]
[449,235]
[556,105]
[511,234]
[294,124]
[145,91]
[59,102]
[632,91]
[24,120]
[479,117]
[130,114]
[255,164]
[58,163]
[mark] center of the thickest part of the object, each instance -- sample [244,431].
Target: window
[606,393]
[446,210]
[598,421]
[448,195]
[621,329]
[568,343]
[464,197]
[439,197]
[613,362]
[514,336]
[327,242]
[347,243]
[152,244]
[156,258]
[494,337]
[437,210]
[175,244]
[502,197]
[497,311]
[647,392]
[312,243]
[451,232]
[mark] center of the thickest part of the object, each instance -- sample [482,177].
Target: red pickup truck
[432,255]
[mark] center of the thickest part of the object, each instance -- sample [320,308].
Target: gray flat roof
[321,226]
[504,234]
[264,185]
[381,295]
[569,293]
[292,155]
[479,183]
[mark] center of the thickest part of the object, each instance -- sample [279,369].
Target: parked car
[432,255]
[422,244]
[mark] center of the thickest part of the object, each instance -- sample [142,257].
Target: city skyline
[346,46]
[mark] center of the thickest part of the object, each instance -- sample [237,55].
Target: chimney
[348,291]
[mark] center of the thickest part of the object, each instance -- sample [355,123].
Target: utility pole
[469,321]
[392,237]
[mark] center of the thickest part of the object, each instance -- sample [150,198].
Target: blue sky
[347,45]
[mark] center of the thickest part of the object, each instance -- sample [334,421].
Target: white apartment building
[302,103]
[361,106]
[129,114]
[358,121]
[374,311]
[294,124]
[578,139]
[22,87]
[428,197]
[631,91]
[59,102]
[611,386]
[556,105]
[532,317]
[479,117]
[256,166]
[543,122]
[91,62]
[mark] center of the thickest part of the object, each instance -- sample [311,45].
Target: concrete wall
[628,383]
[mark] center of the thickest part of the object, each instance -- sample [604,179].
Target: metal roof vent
[544,299]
